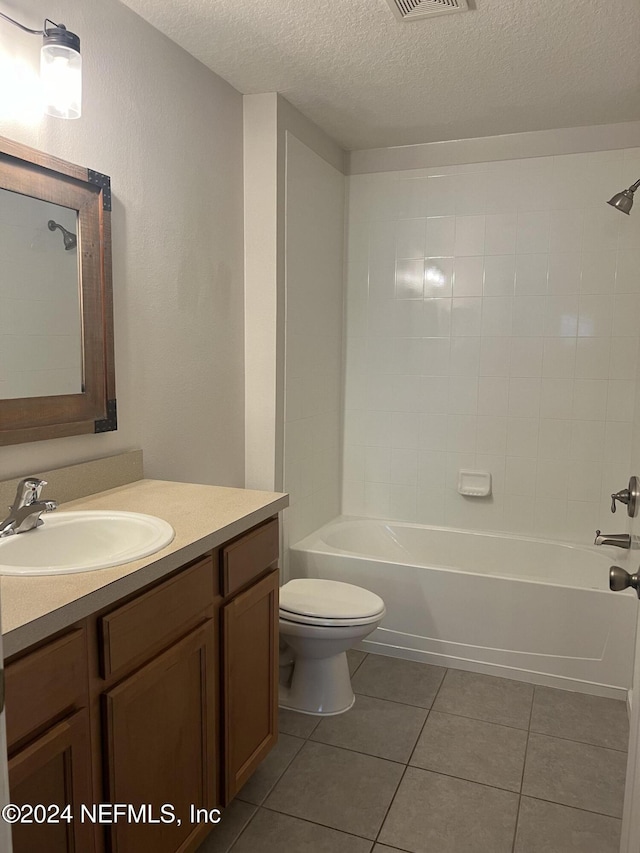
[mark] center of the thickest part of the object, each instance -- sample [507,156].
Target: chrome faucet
[620,540]
[27,508]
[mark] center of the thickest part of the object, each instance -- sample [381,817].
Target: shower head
[624,200]
[70,240]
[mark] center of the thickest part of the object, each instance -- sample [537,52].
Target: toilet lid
[323,599]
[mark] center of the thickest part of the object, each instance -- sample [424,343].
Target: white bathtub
[530,609]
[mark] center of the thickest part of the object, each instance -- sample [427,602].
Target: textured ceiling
[370,80]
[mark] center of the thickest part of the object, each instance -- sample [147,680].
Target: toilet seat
[311,601]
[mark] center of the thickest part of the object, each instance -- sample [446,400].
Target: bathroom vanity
[152,684]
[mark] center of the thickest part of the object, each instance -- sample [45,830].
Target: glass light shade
[61,79]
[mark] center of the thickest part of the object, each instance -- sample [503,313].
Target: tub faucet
[620,540]
[25,512]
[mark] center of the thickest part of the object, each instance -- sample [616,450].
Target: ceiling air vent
[411,10]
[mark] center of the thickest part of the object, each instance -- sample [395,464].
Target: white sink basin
[83,541]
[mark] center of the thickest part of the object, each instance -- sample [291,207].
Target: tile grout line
[524,764]
[404,773]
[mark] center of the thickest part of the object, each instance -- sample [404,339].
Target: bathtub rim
[320,547]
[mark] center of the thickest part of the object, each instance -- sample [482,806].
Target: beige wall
[313,335]
[169,133]
[268,119]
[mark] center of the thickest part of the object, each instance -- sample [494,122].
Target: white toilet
[319,621]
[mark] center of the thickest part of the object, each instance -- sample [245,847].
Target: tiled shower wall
[493,313]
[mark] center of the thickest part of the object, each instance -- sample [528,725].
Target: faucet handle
[622,496]
[27,492]
[629,496]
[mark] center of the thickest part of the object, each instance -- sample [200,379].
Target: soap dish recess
[474,484]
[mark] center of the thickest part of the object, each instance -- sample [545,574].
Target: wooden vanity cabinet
[167,697]
[249,652]
[154,689]
[49,744]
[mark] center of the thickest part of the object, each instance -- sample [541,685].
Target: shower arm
[70,240]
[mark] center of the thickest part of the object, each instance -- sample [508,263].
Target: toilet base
[319,686]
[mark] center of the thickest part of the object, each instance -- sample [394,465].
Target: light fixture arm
[22,26]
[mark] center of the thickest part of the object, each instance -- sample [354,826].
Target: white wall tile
[529,316]
[526,357]
[552,478]
[554,438]
[464,357]
[463,395]
[598,272]
[500,234]
[461,433]
[469,235]
[409,279]
[531,274]
[533,232]
[469,274]
[592,358]
[441,195]
[493,395]
[565,231]
[587,440]
[432,470]
[556,398]
[466,316]
[561,316]
[405,431]
[436,318]
[623,358]
[438,276]
[625,314]
[595,316]
[628,271]
[435,356]
[590,399]
[404,467]
[440,236]
[524,398]
[470,193]
[621,400]
[559,358]
[494,356]
[520,476]
[617,441]
[564,274]
[522,436]
[499,275]
[433,431]
[497,314]
[491,435]
[488,326]
[411,238]
[411,197]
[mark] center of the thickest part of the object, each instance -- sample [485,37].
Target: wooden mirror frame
[29,172]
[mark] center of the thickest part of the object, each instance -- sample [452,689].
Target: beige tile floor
[431,760]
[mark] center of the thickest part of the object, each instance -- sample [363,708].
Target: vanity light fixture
[624,200]
[60,68]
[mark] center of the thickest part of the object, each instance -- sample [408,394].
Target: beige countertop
[203,517]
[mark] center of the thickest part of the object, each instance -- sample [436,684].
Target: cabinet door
[55,769]
[160,745]
[250,686]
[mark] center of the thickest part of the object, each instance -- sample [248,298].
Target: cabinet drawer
[155,619]
[249,556]
[44,684]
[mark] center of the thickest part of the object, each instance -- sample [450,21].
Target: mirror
[56,313]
